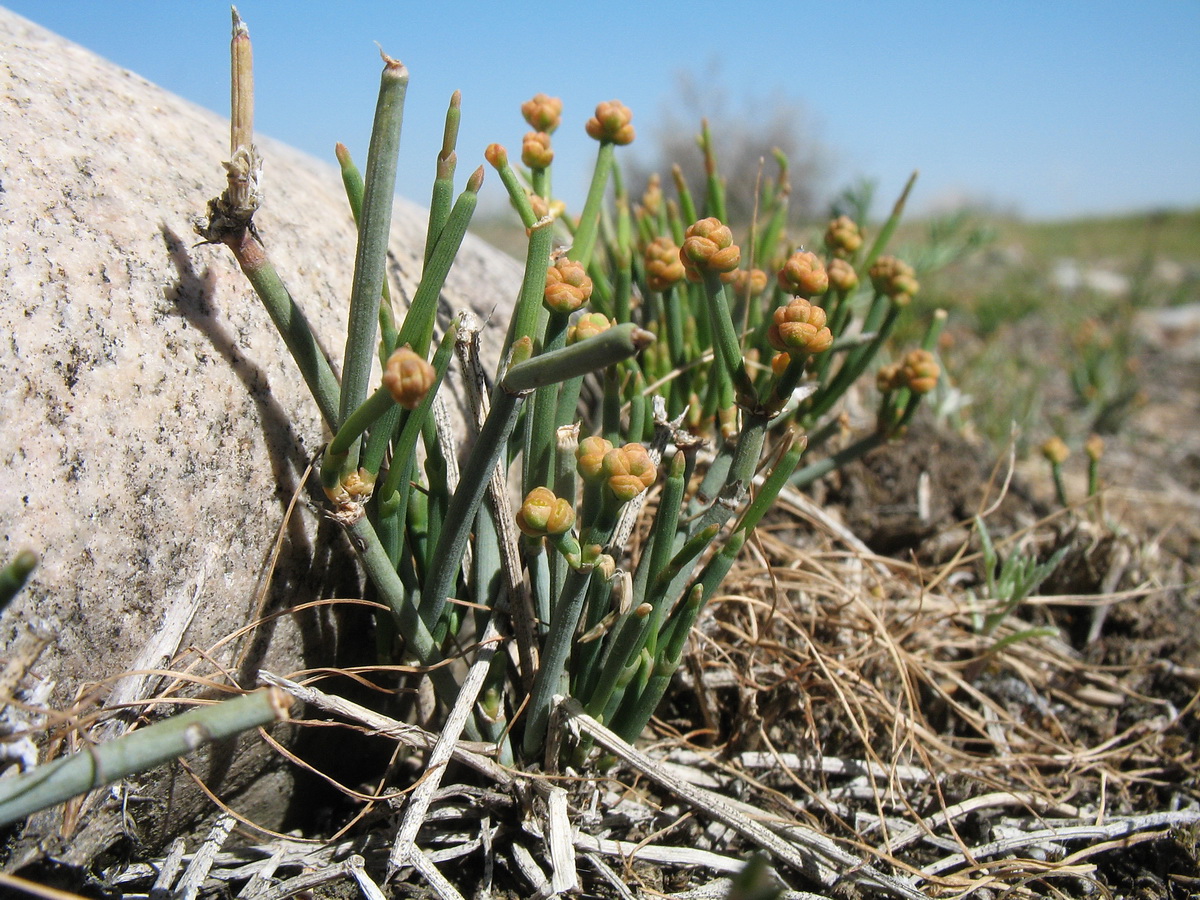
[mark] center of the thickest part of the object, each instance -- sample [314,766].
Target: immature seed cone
[800,326]
[843,237]
[354,487]
[894,278]
[542,513]
[888,378]
[568,286]
[653,197]
[629,471]
[541,208]
[611,123]
[496,156]
[1094,447]
[663,266]
[359,483]
[708,247]
[920,371]
[842,276]
[1056,450]
[749,282]
[589,457]
[803,275]
[408,377]
[588,326]
[543,113]
[536,151]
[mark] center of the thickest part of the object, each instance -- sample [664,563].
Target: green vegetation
[1032,289]
[1123,240]
[714,358]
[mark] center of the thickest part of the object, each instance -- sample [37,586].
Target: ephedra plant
[653,360]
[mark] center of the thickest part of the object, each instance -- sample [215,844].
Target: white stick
[407,734]
[820,860]
[189,885]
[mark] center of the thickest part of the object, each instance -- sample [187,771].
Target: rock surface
[154,428]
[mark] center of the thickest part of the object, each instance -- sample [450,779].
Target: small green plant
[1006,585]
[716,358]
[1056,452]
[1104,373]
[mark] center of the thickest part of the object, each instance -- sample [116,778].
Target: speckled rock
[152,426]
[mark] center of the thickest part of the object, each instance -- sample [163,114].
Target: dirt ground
[1096,718]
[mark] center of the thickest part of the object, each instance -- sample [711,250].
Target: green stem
[725,336]
[359,421]
[392,508]
[539,180]
[741,472]
[628,643]
[568,403]
[382,572]
[589,220]
[889,227]
[374,230]
[638,706]
[634,716]
[605,349]
[498,157]
[437,487]
[537,255]
[289,322]
[929,342]
[662,536]
[380,438]
[405,446]
[641,623]
[539,452]
[715,190]
[687,206]
[777,220]
[353,182]
[417,330]
[853,366]
[610,406]
[418,640]
[533,284]
[552,669]
[773,483]
[443,184]
[669,581]
[138,752]
[1093,488]
[1060,486]
[473,482]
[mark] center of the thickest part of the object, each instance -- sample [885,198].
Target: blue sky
[1049,109]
